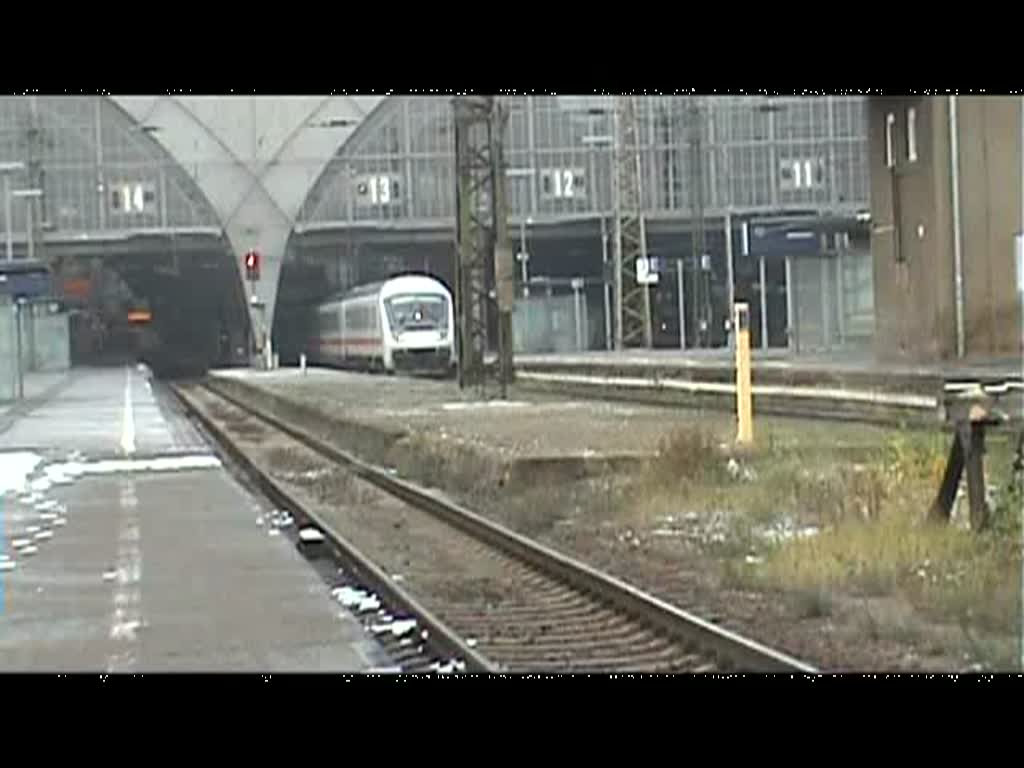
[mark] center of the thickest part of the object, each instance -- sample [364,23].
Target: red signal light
[252,265]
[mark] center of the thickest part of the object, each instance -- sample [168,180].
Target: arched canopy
[99,170]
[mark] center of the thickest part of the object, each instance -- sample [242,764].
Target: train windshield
[417,312]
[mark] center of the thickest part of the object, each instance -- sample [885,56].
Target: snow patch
[311,536]
[485,404]
[786,531]
[15,468]
[396,628]
[370,603]
[66,472]
[348,596]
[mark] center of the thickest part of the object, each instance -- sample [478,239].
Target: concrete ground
[523,426]
[126,546]
[37,387]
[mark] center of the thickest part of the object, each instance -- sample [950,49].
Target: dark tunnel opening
[179,313]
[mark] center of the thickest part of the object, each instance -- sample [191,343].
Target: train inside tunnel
[179,313]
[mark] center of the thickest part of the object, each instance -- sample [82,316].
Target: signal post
[744,394]
[252,262]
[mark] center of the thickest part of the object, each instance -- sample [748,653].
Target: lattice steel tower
[632,299]
[481,237]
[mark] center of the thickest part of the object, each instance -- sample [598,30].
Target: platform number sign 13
[377,190]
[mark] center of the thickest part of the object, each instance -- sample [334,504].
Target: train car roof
[376,287]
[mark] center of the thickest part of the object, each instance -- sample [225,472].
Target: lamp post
[592,141]
[523,257]
[29,195]
[19,306]
[6,169]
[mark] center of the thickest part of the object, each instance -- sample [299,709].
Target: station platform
[859,371]
[126,546]
[432,431]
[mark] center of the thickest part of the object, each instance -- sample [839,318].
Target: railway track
[487,598]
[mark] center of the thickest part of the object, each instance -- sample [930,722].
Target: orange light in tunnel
[139,316]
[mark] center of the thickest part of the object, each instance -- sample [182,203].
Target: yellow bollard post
[744,396]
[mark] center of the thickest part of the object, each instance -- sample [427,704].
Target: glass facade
[102,172]
[98,170]
[756,153]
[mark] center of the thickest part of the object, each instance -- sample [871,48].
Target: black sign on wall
[780,239]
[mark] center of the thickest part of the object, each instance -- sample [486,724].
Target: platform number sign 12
[562,182]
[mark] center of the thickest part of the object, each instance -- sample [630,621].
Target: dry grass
[875,540]
[863,503]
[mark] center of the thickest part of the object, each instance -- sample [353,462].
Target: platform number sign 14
[132,197]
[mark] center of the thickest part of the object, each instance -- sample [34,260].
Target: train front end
[420,322]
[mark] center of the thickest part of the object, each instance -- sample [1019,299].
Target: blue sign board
[25,283]
[781,238]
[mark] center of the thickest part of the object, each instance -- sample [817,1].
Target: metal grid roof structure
[759,154]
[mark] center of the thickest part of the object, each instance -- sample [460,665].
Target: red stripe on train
[338,342]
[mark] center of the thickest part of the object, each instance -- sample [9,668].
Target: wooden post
[971,414]
[975,450]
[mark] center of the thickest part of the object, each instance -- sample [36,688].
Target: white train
[406,323]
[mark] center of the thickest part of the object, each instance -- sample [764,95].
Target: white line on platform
[128,420]
[127,614]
